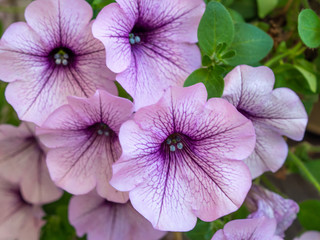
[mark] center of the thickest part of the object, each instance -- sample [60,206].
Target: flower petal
[112,27]
[170,193]
[155,66]
[259,228]
[18,219]
[41,85]
[50,91]
[285,113]
[245,85]
[190,102]
[78,166]
[309,235]
[21,55]
[61,25]
[19,150]
[79,170]
[273,113]
[103,107]
[270,152]
[250,90]
[224,132]
[101,220]
[171,188]
[81,159]
[262,202]
[174,20]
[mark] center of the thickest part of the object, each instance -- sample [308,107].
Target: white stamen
[180,146]
[137,39]
[132,41]
[100,132]
[65,56]
[106,133]
[57,56]
[64,62]
[58,61]
[172,148]
[178,138]
[168,141]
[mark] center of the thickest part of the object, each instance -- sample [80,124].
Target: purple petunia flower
[22,160]
[104,220]
[83,141]
[19,219]
[50,57]
[310,235]
[150,43]
[262,202]
[272,112]
[181,159]
[256,228]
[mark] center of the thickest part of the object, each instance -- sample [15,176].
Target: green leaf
[1,28]
[122,93]
[204,230]
[288,76]
[224,2]
[236,17]
[309,76]
[247,8]
[309,28]
[241,213]
[57,225]
[7,113]
[265,7]
[210,77]
[206,61]
[97,5]
[216,26]
[228,54]
[250,43]
[308,215]
[309,101]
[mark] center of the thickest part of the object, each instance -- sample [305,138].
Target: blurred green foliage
[57,225]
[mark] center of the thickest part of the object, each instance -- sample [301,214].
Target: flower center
[174,142]
[61,57]
[133,39]
[103,130]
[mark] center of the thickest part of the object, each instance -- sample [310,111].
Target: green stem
[297,161]
[296,50]
[305,3]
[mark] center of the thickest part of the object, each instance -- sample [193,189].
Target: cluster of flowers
[176,155]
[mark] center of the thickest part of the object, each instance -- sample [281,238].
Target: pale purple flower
[19,219]
[151,43]
[262,202]
[103,220]
[246,229]
[272,112]
[50,57]
[310,235]
[22,160]
[83,141]
[181,157]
